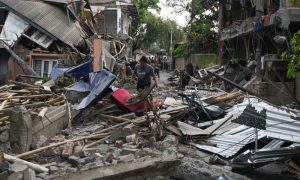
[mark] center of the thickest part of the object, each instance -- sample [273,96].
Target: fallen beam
[28,97]
[54,145]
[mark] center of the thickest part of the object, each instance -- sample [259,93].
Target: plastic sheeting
[81,70]
[99,83]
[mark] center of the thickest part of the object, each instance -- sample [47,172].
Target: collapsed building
[253,35]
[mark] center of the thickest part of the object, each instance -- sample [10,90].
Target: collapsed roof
[49,19]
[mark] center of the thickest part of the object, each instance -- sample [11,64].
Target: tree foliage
[202,27]
[294,57]
[150,30]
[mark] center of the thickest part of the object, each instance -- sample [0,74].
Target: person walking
[156,69]
[143,71]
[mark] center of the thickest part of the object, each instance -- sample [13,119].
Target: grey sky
[169,13]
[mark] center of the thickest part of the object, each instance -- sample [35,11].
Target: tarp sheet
[99,83]
[81,70]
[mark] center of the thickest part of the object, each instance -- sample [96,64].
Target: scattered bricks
[29,174]
[127,158]
[119,144]
[18,167]
[67,150]
[74,160]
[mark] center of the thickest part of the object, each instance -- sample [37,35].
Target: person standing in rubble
[143,71]
[156,68]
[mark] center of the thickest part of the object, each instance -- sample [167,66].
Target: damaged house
[114,18]
[263,30]
[42,37]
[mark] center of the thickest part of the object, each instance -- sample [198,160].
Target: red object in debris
[121,96]
[68,150]
[157,103]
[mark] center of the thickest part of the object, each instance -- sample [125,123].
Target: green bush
[294,57]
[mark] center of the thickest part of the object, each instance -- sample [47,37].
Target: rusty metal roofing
[49,19]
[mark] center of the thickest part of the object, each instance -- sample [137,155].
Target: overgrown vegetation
[180,50]
[293,57]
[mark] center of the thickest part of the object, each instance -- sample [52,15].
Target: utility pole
[171,51]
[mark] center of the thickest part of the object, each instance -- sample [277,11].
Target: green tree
[202,27]
[150,30]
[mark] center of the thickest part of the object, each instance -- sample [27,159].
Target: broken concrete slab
[193,169]
[141,168]
[55,119]
[20,135]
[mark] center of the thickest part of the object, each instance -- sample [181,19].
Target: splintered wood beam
[40,96]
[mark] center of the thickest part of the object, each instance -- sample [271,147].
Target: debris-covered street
[108,89]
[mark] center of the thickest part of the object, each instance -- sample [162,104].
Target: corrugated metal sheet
[13,28]
[228,145]
[62,1]
[108,1]
[282,124]
[51,20]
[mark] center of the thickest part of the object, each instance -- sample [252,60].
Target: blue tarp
[81,70]
[99,83]
[80,86]
[57,72]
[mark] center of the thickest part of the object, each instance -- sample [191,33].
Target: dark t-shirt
[144,74]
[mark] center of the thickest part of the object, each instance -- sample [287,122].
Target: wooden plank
[97,63]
